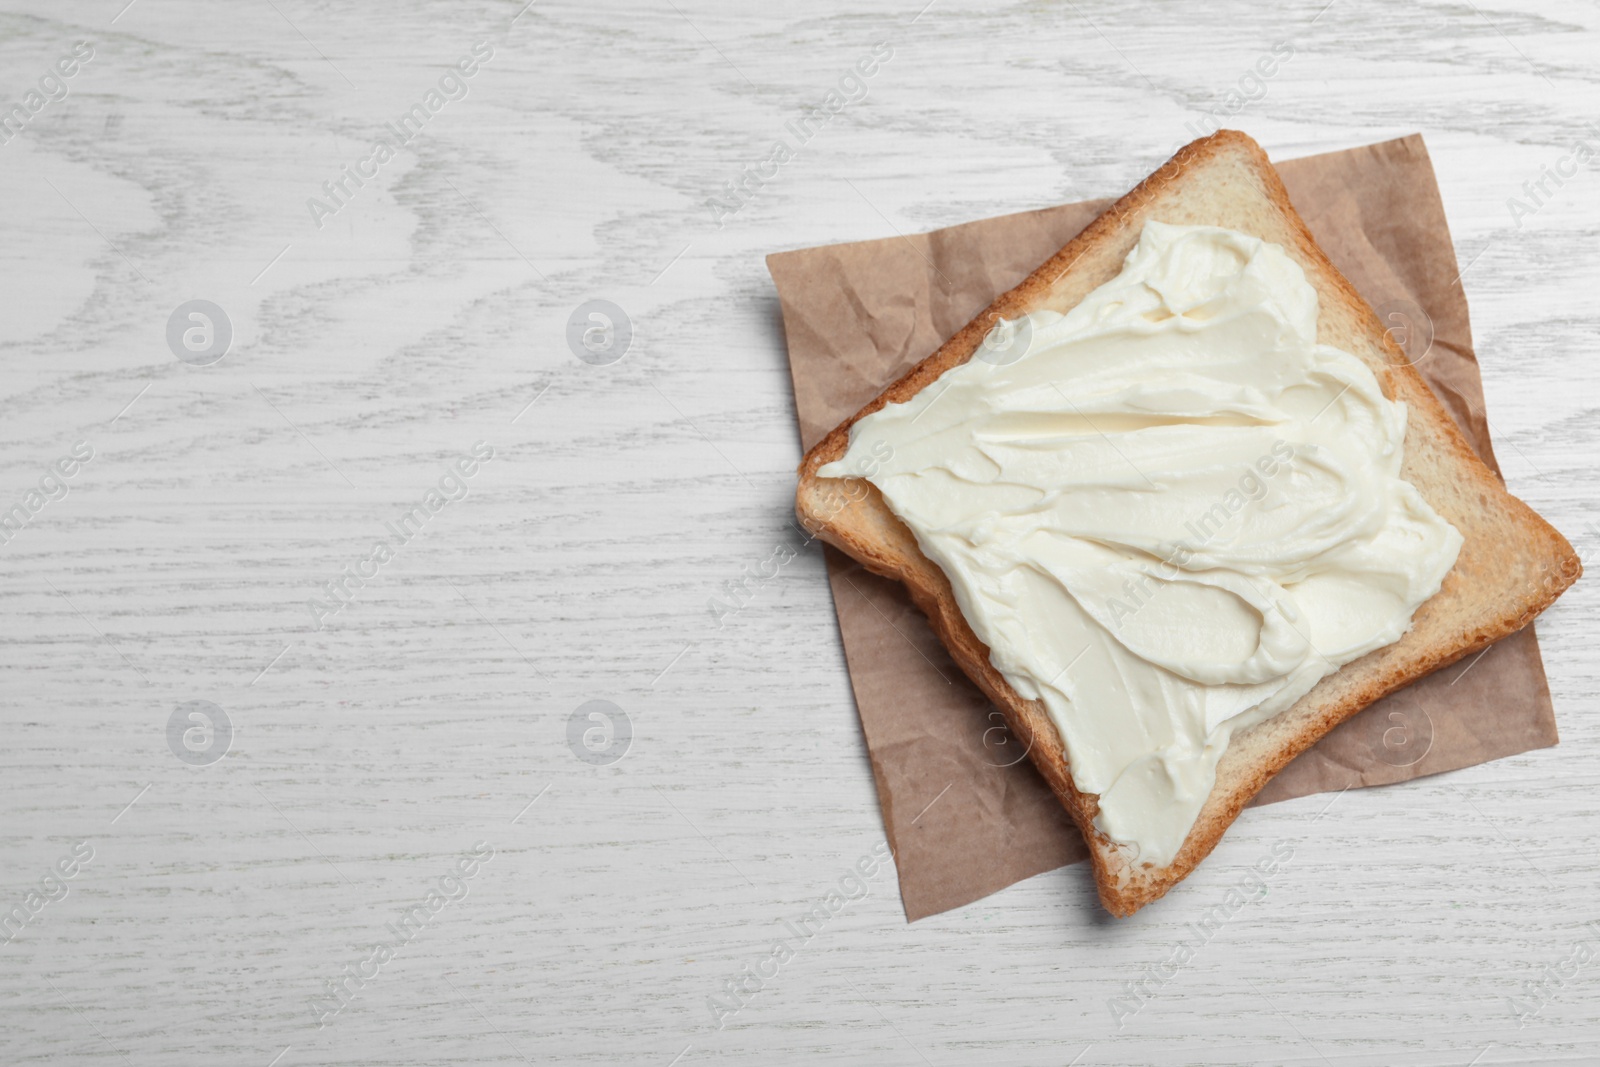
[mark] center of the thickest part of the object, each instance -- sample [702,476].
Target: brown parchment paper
[965,811]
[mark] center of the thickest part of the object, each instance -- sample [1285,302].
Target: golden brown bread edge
[1512,563]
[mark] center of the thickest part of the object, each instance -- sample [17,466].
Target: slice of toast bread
[1512,563]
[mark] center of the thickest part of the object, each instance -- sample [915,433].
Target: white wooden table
[374,748]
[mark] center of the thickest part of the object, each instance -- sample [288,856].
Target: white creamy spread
[1168,513]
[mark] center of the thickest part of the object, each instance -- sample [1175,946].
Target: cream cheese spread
[1168,513]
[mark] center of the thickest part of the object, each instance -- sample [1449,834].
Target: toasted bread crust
[1477,605]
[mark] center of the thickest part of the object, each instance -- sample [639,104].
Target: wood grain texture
[430,311]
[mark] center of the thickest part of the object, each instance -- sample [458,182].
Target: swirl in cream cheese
[1169,518]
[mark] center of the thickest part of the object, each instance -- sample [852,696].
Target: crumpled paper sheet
[965,811]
